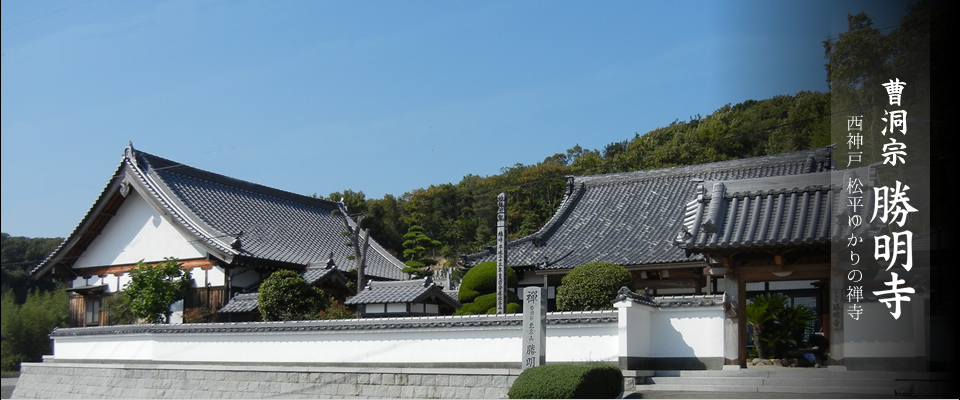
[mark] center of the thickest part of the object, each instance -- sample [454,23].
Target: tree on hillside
[415,245]
[19,255]
[154,288]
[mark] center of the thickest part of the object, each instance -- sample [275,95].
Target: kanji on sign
[897,120]
[855,123]
[854,311]
[882,248]
[855,274]
[893,152]
[892,204]
[854,220]
[854,240]
[895,291]
[894,90]
[854,185]
[854,140]
[854,157]
[854,293]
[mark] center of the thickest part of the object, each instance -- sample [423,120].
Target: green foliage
[568,381]
[479,286]
[776,324]
[18,256]
[118,310]
[285,296]
[416,243]
[27,327]
[462,216]
[153,288]
[487,304]
[592,286]
[336,311]
[198,315]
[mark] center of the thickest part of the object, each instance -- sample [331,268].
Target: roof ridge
[680,171]
[239,184]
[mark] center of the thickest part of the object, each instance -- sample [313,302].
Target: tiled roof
[241,303]
[402,292]
[357,324]
[689,300]
[631,218]
[237,219]
[764,212]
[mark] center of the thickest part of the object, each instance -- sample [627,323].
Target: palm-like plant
[775,323]
[761,312]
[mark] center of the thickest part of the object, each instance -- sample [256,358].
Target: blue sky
[381,97]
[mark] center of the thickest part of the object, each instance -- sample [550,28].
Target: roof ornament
[235,243]
[626,294]
[330,263]
[124,188]
[570,179]
[130,153]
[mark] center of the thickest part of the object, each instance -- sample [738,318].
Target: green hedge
[568,381]
[592,286]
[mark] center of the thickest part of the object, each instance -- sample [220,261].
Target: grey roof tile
[241,303]
[760,213]
[235,218]
[402,292]
[631,218]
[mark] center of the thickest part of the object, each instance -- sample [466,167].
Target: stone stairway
[786,380]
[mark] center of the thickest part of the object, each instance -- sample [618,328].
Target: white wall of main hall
[137,232]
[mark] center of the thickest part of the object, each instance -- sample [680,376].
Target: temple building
[232,234]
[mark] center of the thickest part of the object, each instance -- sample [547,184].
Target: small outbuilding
[403,299]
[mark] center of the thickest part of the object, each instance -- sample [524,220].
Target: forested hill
[462,215]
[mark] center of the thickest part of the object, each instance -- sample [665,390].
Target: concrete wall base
[105,381]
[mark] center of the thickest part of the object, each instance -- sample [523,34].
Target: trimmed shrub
[478,290]
[481,280]
[592,286]
[285,296]
[568,381]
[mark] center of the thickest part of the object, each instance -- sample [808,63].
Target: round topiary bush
[592,286]
[479,287]
[285,296]
[568,381]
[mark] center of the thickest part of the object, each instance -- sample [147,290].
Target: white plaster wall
[132,347]
[137,232]
[215,276]
[588,342]
[687,332]
[124,280]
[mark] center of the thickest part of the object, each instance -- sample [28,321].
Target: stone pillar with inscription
[502,253]
[534,327]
